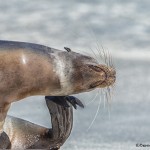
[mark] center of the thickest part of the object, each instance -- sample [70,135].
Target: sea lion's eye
[95,68]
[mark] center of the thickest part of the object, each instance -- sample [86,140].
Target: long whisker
[97,47]
[93,98]
[99,51]
[109,93]
[108,58]
[103,97]
[94,54]
[113,89]
[101,92]
[107,97]
[98,108]
[104,54]
[112,62]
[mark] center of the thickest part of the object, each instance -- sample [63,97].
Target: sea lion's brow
[95,68]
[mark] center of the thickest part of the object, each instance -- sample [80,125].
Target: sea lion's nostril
[102,76]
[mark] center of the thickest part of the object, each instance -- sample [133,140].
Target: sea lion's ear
[67,49]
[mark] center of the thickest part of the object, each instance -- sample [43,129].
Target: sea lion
[28,69]
[22,134]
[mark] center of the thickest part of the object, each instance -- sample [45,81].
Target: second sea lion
[22,134]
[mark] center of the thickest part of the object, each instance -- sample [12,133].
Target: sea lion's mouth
[96,84]
[105,83]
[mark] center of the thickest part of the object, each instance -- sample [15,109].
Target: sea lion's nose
[102,75]
[112,71]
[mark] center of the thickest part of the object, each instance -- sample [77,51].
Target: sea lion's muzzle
[110,76]
[104,76]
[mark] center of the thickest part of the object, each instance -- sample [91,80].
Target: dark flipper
[63,101]
[60,100]
[74,101]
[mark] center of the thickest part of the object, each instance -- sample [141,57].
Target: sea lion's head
[89,74]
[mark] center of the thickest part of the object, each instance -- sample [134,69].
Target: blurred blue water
[120,26]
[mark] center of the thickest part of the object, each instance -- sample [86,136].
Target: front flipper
[63,101]
[60,100]
[74,101]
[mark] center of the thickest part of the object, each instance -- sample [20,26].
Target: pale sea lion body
[28,69]
[23,134]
